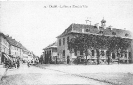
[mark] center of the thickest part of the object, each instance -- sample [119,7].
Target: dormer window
[95,26]
[100,32]
[126,34]
[87,30]
[113,33]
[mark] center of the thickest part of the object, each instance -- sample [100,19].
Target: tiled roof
[2,34]
[90,29]
[11,41]
[53,45]
[15,43]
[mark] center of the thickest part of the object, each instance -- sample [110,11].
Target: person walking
[18,64]
[28,63]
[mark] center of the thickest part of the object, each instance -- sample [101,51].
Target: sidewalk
[2,71]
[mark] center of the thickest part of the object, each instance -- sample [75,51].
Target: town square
[66,42]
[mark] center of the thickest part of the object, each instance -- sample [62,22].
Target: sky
[36,24]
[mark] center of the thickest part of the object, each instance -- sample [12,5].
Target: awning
[8,57]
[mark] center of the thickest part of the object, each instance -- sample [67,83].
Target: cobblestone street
[37,76]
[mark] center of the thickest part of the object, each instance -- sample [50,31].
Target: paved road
[37,76]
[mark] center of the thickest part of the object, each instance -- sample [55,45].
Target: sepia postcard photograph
[71,42]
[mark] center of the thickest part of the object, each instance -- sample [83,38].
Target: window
[87,30]
[113,33]
[129,54]
[121,55]
[67,39]
[92,52]
[125,55]
[97,52]
[63,41]
[95,26]
[81,52]
[75,51]
[100,32]
[59,42]
[63,52]
[102,53]
[113,55]
[83,30]
[126,34]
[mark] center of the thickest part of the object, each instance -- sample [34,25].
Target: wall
[4,47]
[63,47]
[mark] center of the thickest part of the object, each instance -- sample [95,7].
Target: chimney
[97,25]
[83,30]
[110,27]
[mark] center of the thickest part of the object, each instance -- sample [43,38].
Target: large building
[4,47]
[15,47]
[12,49]
[50,54]
[75,29]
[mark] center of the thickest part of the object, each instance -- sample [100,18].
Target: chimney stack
[97,25]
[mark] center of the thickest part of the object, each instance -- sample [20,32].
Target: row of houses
[10,48]
[59,52]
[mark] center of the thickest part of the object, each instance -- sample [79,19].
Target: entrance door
[68,59]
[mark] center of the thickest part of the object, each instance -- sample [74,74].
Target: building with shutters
[67,57]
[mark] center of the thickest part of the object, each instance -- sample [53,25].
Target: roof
[53,45]
[2,34]
[13,42]
[90,29]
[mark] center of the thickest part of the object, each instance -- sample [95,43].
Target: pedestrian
[28,63]
[18,64]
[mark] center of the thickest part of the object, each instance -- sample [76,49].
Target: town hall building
[67,57]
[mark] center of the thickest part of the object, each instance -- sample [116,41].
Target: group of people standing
[12,63]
